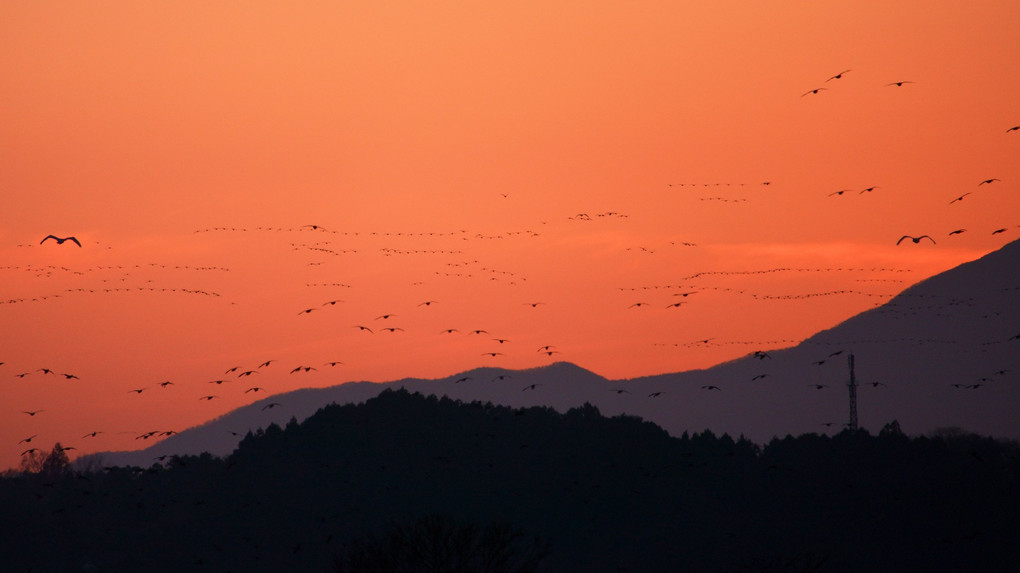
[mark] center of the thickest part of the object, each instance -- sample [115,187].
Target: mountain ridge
[918,358]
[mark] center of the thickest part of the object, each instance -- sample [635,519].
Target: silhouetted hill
[610,494]
[944,353]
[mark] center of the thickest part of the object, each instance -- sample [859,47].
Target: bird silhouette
[28,440]
[32,412]
[1014,128]
[60,240]
[818,386]
[710,387]
[814,91]
[898,84]
[209,397]
[988,181]
[493,354]
[915,239]
[957,232]
[839,75]
[960,198]
[531,387]
[656,394]
[273,405]
[254,389]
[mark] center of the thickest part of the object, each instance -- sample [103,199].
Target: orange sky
[447,149]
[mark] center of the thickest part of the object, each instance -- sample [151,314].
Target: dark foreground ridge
[381,485]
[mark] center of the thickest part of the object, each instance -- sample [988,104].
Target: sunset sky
[228,165]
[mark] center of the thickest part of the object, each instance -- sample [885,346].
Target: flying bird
[915,239]
[710,387]
[814,91]
[957,232]
[818,386]
[364,328]
[839,75]
[32,412]
[1014,128]
[987,181]
[60,241]
[493,354]
[273,405]
[209,397]
[254,389]
[898,84]
[28,440]
[960,198]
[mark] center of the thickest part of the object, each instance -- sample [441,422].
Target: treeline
[404,480]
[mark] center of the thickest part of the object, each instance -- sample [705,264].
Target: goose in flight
[916,239]
[60,240]
[839,75]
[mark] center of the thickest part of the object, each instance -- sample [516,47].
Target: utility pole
[852,385]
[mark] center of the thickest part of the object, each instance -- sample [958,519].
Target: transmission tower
[852,386]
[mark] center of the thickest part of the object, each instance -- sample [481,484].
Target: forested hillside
[353,484]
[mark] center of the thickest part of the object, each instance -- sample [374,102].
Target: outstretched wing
[74,240]
[54,237]
[904,237]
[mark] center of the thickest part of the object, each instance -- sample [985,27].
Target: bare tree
[436,543]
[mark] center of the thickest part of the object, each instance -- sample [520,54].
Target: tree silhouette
[438,543]
[56,464]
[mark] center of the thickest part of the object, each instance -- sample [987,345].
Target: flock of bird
[456,262]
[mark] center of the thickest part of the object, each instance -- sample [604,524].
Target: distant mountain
[943,353]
